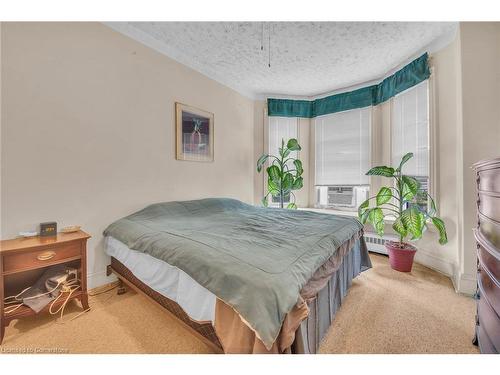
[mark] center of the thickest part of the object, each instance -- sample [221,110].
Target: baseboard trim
[466,284]
[436,263]
[104,288]
[98,279]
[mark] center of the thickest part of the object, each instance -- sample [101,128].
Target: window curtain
[409,76]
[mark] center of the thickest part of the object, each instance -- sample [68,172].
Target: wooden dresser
[23,260]
[487,236]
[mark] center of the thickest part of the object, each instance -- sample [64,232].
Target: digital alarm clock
[48,229]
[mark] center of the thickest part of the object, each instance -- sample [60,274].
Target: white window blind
[281,128]
[410,129]
[343,149]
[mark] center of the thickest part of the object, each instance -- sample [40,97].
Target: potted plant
[282,178]
[400,201]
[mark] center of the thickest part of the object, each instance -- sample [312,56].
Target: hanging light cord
[262,37]
[269,47]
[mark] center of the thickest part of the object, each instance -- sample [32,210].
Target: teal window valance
[408,76]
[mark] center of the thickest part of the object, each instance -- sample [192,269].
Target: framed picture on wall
[194,133]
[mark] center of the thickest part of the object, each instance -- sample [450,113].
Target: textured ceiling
[307,58]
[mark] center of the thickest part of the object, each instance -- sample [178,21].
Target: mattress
[234,249]
[200,306]
[170,281]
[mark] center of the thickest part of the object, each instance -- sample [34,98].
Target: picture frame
[194,133]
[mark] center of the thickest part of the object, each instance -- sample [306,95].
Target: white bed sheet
[170,281]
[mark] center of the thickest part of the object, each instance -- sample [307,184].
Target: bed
[245,279]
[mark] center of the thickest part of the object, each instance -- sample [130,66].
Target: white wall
[480,60]
[88,131]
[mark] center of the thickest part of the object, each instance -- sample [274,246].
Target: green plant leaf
[293,145]
[298,167]
[298,183]
[376,218]
[287,183]
[363,217]
[292,206]
[407,193]
[265,202]
[439,224]
[284,153]
[274,173]
[384,196]
[381,171]
[363,206]
[404,159]
[433,209]
[418,235]
[410,187]
[363,211]
[261,162]
[414,221]
[273,187]
[400,228]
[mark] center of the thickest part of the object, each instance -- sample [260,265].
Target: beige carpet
[385,312]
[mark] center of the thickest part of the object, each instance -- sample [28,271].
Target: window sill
[388,220]
[331,211]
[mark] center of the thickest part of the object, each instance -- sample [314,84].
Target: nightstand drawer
[41,258]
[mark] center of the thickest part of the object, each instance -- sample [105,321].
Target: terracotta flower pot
[400,258]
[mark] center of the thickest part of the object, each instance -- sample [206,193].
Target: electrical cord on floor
[71,290]
[103,291]
[68,288]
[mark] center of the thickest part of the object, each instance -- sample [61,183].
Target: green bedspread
[253,258]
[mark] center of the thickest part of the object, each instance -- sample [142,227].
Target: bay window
[342,158]
[281,129]
[410,133]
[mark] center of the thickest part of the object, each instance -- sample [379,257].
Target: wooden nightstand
[23,260]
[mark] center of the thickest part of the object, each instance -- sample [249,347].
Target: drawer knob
[46,255]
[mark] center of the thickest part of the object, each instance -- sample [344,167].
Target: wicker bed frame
[204,331]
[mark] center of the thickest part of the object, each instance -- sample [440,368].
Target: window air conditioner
[347,197]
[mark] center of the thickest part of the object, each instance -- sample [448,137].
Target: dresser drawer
[488,255]
[489,180]
[489,289]
[490,229]
[485,344]
[489,205]
[40,258]
[489,322]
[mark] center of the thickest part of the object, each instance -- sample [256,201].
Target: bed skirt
[322,308]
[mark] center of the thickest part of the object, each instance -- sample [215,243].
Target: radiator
[375,243]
